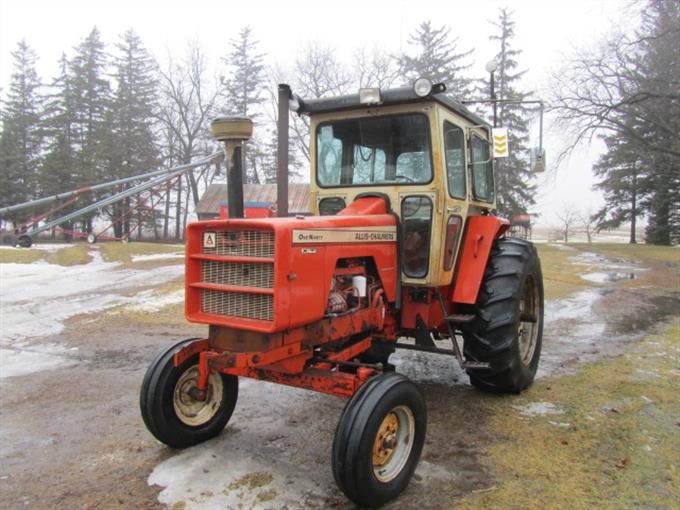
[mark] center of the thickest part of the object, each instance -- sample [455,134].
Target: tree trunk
[194,187]
[186,213]
[178,210]
[633,211]
[166,216]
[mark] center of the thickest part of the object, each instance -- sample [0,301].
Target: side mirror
[537,155]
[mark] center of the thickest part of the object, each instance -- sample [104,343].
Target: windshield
[374,151]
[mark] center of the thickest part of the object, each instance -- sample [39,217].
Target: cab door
[455,196]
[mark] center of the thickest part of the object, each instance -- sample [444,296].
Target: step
[475,364]
[459,318]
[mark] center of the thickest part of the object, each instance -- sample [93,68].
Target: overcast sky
[546,30]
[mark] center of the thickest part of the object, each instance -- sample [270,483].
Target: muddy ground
[71,436]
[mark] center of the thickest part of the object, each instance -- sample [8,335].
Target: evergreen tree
[21,137]
[437,58]
[621,182]
[57,172]
[91,103]
[514,188]
[130,146]
[629,88]
[657,110]
[243,89]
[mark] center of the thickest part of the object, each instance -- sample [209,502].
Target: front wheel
[379,440]
[169,409]
[507,330]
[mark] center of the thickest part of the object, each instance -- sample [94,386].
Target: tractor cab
[427,153]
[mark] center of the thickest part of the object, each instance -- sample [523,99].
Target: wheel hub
[527,331]
[193,406]
[385,440]
[393,443]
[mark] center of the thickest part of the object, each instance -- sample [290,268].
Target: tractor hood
[269,275]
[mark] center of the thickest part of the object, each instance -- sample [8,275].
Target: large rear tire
[168,408]
[507,330]
[379,440]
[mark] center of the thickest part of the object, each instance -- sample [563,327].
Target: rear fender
[480,233]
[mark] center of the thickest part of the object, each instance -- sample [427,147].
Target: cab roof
[389,97]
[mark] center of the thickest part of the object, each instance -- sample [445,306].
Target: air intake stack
[233,131]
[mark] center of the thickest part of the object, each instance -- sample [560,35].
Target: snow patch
[538,409]
[24,359]
[262,459]
[151,301]
[42,247]
[574,307]
[37,298]
[157,256]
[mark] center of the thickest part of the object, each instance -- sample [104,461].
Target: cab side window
[454,151]
[482,169]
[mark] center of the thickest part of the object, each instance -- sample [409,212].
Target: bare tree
[588,222]
[187,105]
[569,218]
[374,69]
[598,90]
[318,73]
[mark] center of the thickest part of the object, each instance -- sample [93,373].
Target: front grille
[243,243]
[236,261]
[243,274]
[237,304]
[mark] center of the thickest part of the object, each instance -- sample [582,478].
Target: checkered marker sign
[500,142]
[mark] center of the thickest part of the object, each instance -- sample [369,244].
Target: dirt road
[71,435]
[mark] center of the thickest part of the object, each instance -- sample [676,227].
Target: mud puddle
[599,322]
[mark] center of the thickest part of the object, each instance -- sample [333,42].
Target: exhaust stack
[233,131]
[282,154]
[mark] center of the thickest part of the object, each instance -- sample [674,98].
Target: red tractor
[402,252]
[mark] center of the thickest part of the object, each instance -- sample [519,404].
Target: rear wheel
[508,329]
[379,440]
[24,241]
[169,409]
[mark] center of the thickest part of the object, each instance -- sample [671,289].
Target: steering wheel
[404,177]
[410,206]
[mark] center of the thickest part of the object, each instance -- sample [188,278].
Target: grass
[616,445]
[20,256]
[559,277]
[70,256]
[123,252]
[635,251]
[169,315]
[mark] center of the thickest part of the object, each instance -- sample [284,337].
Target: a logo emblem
[209,239]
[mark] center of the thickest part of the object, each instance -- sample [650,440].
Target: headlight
[370,96]
[422,87]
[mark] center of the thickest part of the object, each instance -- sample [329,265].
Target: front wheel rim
[192,412]
[393,443]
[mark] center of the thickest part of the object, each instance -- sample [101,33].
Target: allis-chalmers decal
[345,235]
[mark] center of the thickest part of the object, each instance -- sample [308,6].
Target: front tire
[379,440]
[168,408]
[507,331]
